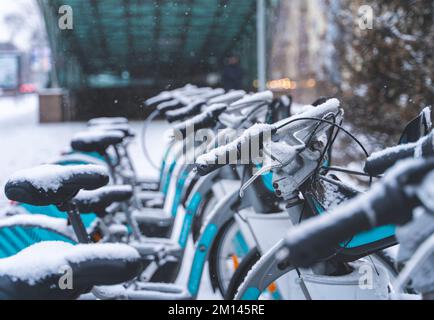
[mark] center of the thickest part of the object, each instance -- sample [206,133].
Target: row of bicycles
[248,196]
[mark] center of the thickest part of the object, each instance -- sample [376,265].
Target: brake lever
[276,164]
[262,171]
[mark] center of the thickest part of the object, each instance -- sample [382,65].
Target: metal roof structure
[124,42]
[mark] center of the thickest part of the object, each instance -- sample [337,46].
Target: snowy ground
[25,143]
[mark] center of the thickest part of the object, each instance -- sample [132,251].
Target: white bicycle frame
[268,230]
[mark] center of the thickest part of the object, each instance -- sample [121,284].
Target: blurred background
[119,52]
[25,60]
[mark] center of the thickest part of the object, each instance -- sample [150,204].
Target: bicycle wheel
[239,275]
[204,210]
[227,255]
[320,287]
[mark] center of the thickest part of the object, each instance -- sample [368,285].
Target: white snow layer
[251,133]
[51,177]
[168,104]
[161,97]
[96,135]
[108,121]
[94,195]
[427,114]
[265,96]
[230,97]
[331,105]
[212,94]
[112,127]
[41,260]
[59,225]
[200,117]
[417,146]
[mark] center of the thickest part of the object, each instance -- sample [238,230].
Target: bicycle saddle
[98,201]
[38,272]
[107,121]
[54,184]
[96,141]
[124,128]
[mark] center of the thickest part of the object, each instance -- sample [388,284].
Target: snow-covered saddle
[98,201]
[107,121]
[124,128]
[54,184]
[96,140]
[62,271]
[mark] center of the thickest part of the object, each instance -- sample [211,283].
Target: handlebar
[212,94]
[165,96]
[170,105]
[260,97]
[300,121]
[388,202]
[205,169]
[180,114]
[209,162]
[183,94]
[162,97]
[207,119]
[229,97]
[320,101]
[379,162]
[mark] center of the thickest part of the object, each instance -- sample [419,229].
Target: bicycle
[295,203]
[313,240]
[348,250]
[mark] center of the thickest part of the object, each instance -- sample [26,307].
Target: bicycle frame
[21,231]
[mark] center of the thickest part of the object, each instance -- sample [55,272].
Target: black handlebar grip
[386,203]
[320,101]
[185,112]
[204,169]
[205,120]
[316,238]
[155,101]
[169,106]
[378,163]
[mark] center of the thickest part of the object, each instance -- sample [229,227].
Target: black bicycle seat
[41,271]
[98,201]
[54,184]
[96,140]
